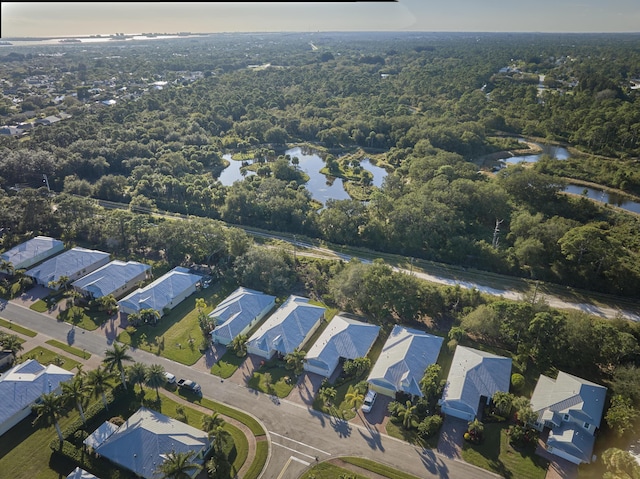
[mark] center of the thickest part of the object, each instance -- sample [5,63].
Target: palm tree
[155,378]
[239,345]
[178,465]
[295,361]
[327,394]
[21,283]
[212,422]
[107,303]
[407,414]
[98,380]
[75,391]
[502,401]
[354,398]
[475,428]
[12,343]
[48,410]
[7,266]
[114,358]
[138,374]
[220,436]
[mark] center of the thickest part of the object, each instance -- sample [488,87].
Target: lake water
[557,152]
[321,187]
[604,197]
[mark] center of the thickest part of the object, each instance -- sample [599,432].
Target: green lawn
[17,328]
[325,470]
[177,336]
[378,468]
[81,353]
[40,306]
[282,380]
[227,364]
[46,356]
[87,318]
[495,454]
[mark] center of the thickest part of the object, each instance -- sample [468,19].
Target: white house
[167,291]
[343,338]
[22,386]
[473,379]
[143,442]
[571,408]
[32,252]
[74,264]
[288,328]
[79,473]
[238,313]
[116,278]
[404,358]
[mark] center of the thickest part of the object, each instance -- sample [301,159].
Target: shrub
[517,381]
[429,426]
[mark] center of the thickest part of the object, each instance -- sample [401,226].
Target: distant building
[32,252]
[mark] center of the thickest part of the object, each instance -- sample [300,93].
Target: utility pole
[45,180]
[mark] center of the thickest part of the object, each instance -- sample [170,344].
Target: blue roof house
[344,338]
[116,278]
[404,358]
[238,313]
[166,292]
[32,252]
[74,264]
[288,328]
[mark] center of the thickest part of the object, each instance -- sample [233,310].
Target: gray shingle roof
[404,358]
[141,443]
[343,338]
[110,277]
[237,311]
[287,328]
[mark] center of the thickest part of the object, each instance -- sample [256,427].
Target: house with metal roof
[79,473]
[22,386]
[143,442]
[288,328]
[473,378]
[238,313]
[571,408]
[32,252]
[343,338]
[116,278]
[405,356]
[164,293]
[74,264]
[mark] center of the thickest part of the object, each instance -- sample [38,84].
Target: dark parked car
[189,385]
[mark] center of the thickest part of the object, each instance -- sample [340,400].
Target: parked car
[171,379]
[189,385]
[369,399]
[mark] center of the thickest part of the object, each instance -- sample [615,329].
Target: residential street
[298,434]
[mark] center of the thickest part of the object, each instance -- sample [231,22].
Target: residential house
[571,408]
[473,378]
[73,264]
[288,328]
[116,278]
[238,313]
[164,293]
[32,252]
[405,356]
[22,386]
[143,442]
[343,338]
[79,473]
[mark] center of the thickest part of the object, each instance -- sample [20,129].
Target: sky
[61,19]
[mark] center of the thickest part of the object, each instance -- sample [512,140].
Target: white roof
[101,434]
[287,328]
[343,338]
[162,291]
[237,311]
[21,385]
[110,277]
[68,264]
[31,249]
[79,473]
[142,442]
[404,358]
[475,373]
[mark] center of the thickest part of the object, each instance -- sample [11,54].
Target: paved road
[298,434]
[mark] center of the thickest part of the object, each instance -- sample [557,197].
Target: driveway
[451,437]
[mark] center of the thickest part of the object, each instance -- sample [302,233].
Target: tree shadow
[342,427]
[374,439]
[432,463]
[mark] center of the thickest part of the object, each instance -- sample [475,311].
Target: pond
[603,196]
[321,187]
[556,152]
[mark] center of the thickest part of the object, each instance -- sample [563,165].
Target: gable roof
[110,277]
[475,373]
[572,439]
[343,338]
[404,358]
[237,311]
[68,264]
[21,385]
[162,291]
[24,252]
[568,394]
[79,473]
[287,328]
[142,442]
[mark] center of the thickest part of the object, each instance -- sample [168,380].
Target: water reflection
[603,196]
